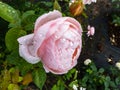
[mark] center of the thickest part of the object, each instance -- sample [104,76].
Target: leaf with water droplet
[8,13]
[11,38]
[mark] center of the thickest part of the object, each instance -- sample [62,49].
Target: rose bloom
[56,41]
[91,31]
[76,8]
[89,1]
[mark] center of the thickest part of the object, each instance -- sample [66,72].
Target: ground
[99,47]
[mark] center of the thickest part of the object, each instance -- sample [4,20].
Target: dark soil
[114,32]
[99,47]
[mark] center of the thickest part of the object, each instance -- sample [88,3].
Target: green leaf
[11,38]
[55,87]
[73,83]
[59,85]
[8,13]
[93,67]
[15,60]
[117,80]
[5,79]
[57,6]
[39,77]
[101,70]
[13,87]
[112,84]
[70,74]
[28,17]
[108,78]
[85,80]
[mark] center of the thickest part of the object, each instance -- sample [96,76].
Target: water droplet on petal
[40,35]
[71,43]
[56,36]
[63,39]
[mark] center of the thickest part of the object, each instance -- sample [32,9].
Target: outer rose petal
[25,49]
[46,18]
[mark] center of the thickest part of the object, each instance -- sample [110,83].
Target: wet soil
[99,47]
[114,32]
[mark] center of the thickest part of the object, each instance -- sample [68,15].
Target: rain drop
[40,35]
[9,10]
[56,36]
[63,39]
[71,43]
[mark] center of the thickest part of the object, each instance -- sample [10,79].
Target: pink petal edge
[23,49]
[52,15]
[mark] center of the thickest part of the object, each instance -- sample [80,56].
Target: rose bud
[76,8]
[56,42]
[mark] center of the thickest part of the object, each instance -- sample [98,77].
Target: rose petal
[48,29]
[46,18]
[75,24]
[26,50]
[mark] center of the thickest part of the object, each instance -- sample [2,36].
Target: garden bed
[103,49]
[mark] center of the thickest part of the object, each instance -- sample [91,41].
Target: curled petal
[46,18]
[26,50]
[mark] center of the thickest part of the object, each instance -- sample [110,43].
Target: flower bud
[87,62]
[118,65]
[76,8]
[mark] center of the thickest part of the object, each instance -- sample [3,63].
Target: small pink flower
[91,31]
[89,1]
[56,42]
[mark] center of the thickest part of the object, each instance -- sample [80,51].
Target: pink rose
[89,1]
[91,31]
[56,41]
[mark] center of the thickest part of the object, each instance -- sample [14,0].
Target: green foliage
[12,36]
[15,69]
[13,87]
[57,6]
[28,19]
[116,14]
[116,4]
[116,20]
[8,13]
[59,86]
[9,79]
[15,60]
[39,76]
[100,78]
